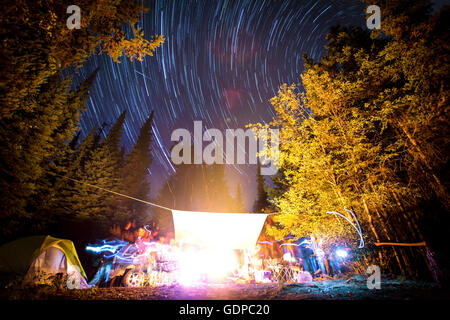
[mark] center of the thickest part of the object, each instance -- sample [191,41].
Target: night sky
[221,63]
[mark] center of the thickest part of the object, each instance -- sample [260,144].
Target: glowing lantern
[341,253]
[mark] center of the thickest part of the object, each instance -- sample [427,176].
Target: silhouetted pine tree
[100,168]
[37,106]
[44,149]
[238,205]
[135,174]
[66,201]
[261,201]
[218,194]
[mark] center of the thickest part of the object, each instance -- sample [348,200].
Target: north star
[197,310]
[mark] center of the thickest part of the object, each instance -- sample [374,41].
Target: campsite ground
[354,288]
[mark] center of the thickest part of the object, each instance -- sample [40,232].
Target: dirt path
[324,290]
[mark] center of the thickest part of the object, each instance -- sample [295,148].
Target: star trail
[221,63]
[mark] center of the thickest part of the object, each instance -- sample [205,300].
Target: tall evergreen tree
[44,149]
[37,117]
[262,199]
[238,201]
[102,168]
[196,187]
[135,176]
[66,203]
[218,195]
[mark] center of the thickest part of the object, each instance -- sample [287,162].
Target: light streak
[107,246]
[358,229]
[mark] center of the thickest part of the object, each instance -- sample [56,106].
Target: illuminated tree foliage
[370,133]
[39,110]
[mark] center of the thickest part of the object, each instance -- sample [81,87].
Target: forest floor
[354,288]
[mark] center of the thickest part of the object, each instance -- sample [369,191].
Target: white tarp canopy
[218,230]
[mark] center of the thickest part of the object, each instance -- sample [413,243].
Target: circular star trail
[221,63]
